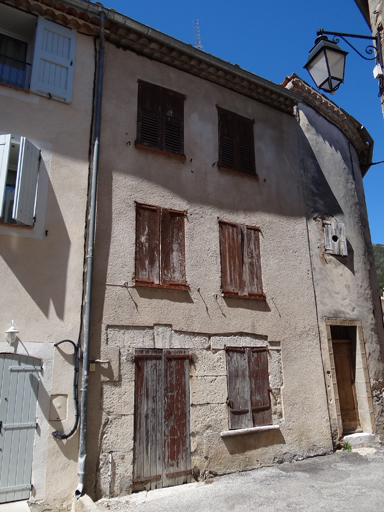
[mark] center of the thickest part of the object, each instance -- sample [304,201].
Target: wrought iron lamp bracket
[369,50]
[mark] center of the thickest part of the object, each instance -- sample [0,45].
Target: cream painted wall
[275,203]
[42,277]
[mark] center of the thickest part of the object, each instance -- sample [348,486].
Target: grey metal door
[19,381]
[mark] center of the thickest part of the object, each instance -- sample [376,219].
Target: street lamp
[326,61]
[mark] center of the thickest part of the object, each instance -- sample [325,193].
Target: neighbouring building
[235,320]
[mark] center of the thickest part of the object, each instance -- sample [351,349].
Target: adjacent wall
[42,268]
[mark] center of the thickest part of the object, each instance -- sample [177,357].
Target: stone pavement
[342,482]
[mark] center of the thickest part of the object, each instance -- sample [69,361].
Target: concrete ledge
[361,439]
[243,431]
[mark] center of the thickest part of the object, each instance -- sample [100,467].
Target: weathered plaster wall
[42,268]
[274,203]
[346,287]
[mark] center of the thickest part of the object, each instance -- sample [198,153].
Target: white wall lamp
[10,334]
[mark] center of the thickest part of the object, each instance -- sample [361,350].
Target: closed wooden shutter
[53,60]
[259,387]
[26,183]
[173,117]
[335,241]
[147,269]
[149,405]
[177,454]
[172,248]
[227,139]
[231,258]
[248,387]
[149,125]
[240,415]
[253,261]
[245,147]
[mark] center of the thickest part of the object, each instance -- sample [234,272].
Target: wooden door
[19,381]
[161,437]
[346,386]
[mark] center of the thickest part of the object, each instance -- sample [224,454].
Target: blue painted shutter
[26,182]
[5,144]
[53,60]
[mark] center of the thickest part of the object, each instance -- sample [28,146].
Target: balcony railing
[14,72]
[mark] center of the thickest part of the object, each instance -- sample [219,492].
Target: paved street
[342,482]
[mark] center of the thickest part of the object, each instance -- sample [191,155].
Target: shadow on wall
[43,274]
[253,441]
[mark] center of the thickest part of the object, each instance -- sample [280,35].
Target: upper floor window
[36,54]
[19,171]
[240,261]
[160,248]
[160,119]
[236,143]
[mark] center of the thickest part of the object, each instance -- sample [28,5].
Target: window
[236,143]
[160,248]
[240,261]
[36,56]
[160,119]
[334,238]
[19,171]
[249,400]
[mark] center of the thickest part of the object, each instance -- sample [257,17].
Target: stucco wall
[346,287]
[42,268]
[274,203]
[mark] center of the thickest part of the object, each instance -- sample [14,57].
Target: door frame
[362,381]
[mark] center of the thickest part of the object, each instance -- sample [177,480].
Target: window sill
[157,150]
[169,286]
[253,296]
[244,431]
[239,173]
[15,88]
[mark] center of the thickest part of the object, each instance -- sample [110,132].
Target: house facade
[232,303]
[233,321]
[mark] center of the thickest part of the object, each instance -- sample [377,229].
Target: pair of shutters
[26,178]
[162,445]
[248,387]
[335,241]
[240,261]
[160,247]
[236,142]
[160,122]
[53,60]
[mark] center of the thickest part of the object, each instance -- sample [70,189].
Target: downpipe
[89,266]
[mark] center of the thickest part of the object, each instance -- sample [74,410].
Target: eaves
[352,129]
[123,32]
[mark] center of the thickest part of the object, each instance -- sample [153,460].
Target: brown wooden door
[346,386]
[161,438]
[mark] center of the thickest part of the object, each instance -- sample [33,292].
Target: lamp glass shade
[326,64]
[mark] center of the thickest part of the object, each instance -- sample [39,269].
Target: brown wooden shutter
[172,248]
[227,139]
[253,261]
[259,386]
[147,269]
[149,125]
[148,437]
[239,404]
[231,258]
[245,146]
[173,117]
[176,416]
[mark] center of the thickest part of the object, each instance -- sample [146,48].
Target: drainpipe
[91,238]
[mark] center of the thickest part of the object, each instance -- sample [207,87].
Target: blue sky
[272,39]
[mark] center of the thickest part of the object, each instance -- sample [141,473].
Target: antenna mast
[198,45]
